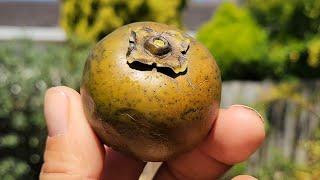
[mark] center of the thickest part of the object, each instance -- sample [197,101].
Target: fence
[291,112]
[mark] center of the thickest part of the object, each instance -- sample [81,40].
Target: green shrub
[91,20]
[237,42]
[314,52]
[287,19]
[293,28]
[26,71]
[265,39]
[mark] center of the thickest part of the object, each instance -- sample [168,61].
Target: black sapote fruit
[151,91]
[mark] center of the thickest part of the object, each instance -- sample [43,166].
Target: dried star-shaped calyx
[165,49]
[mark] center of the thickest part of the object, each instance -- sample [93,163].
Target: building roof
[33,19]
[46,13]
[195,14]
[29,13]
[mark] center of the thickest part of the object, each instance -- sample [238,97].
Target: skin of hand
[74,152]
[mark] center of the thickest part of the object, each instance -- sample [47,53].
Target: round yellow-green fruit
[151,91]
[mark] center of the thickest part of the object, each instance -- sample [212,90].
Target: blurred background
[268,52]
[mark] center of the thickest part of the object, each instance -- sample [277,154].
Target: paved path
[53,34]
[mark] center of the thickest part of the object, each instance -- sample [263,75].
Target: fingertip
[56,108]
[247,110]
[253,120]
[252,123]
[244,177]
[67,90]
[238,132]
[59,102]
[77,140]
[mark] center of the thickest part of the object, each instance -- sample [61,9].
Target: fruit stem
[157,45]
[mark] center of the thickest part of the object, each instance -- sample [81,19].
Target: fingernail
[249,108]
[56,105]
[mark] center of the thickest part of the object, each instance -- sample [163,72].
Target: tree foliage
[265,39]
[287,19]
[293,28]
[234,38]
[91,20]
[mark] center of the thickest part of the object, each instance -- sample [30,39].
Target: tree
[265,39]
[236,41]
[287,19]
[91,20]
[293,28]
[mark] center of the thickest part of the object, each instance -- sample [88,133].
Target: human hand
[74,152]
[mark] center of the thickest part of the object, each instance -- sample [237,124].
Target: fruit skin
[148,114]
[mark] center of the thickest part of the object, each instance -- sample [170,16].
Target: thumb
[72,149]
